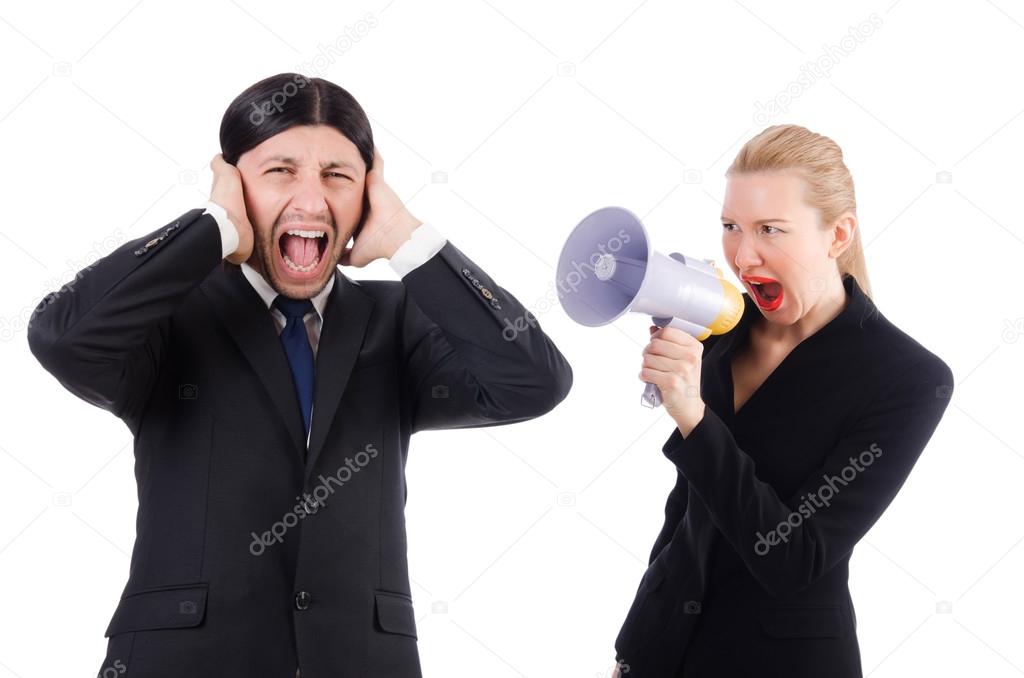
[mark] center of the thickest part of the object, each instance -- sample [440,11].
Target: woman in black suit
[794,433]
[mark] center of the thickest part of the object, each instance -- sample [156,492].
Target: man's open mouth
[302,249]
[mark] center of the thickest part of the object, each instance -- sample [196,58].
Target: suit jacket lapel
[346,316]
[245,315]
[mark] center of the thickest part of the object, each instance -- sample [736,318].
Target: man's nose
[309,196]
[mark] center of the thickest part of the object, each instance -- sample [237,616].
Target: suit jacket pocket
[165,607]
[395,613]
[801,621]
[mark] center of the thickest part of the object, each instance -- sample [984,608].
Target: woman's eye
[765,227]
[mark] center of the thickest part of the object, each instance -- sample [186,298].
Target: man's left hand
[388,225]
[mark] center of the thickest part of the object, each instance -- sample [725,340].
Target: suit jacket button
[302,599]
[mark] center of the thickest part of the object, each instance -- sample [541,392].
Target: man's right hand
[227,192]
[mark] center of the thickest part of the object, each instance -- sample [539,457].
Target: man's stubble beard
[262,260]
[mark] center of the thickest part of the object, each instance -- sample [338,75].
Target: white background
[527,542]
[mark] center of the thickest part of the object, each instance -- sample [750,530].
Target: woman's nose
[747,255]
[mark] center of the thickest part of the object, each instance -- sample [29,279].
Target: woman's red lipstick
[767,292]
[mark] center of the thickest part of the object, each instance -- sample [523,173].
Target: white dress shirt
[425,242]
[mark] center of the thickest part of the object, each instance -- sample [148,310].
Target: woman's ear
[842,231]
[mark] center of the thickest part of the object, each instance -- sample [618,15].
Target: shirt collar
[268,293]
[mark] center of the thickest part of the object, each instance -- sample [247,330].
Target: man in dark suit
[272,403]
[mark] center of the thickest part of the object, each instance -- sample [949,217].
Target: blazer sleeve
[675,508]
[104,334]
[678,498]
[788,543]
[473,355]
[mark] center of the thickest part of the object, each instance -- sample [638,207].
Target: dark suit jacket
[248,562]
[748,576]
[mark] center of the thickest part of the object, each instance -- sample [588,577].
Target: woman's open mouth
[301,252]
[767,292]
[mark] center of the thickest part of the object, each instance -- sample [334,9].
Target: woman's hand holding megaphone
[672,362]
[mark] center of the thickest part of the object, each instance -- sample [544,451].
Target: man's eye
[339,174]
[274,169]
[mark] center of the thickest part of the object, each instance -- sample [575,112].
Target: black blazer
[248,562]
[748,576]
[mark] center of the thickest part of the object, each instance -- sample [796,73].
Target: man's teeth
[306,234]
[301,269]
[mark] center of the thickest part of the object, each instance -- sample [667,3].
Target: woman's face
[771,235]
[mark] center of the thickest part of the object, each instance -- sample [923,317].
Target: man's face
[309,178]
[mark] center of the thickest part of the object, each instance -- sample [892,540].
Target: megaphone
[607,267]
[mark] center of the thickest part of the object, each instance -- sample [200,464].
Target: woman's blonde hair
[828,185]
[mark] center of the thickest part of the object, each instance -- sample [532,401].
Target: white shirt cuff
[424,243]
[228,232]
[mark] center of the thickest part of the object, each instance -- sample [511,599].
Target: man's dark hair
[282,101]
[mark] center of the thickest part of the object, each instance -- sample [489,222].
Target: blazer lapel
[246,317]
[346,316]
[717,388]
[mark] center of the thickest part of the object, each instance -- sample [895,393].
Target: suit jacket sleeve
[678,498]
[474,356]
[104,334]
[788,543]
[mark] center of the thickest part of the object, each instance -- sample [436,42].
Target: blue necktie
[300,354]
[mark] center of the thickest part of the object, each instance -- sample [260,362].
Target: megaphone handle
[652,394]
[651,397]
